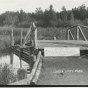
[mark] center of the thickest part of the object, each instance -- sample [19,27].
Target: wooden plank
[82,33]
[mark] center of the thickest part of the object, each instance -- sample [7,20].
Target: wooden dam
[52,70]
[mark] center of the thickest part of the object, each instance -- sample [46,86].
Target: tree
[82,12]
[50,16]
[52,13]
[85,22]
[38,14]
[63,8]
[8,19]
[63,14]
[71,16]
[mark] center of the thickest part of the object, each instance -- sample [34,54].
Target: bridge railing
[32,35]
[78,31]
[27,50]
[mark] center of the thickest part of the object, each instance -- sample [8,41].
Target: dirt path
[64,71]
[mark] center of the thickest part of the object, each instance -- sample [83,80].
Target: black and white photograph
[44,43]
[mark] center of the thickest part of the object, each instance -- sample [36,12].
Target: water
[16,61]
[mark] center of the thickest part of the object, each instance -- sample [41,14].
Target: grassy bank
[8,74]
[43,34]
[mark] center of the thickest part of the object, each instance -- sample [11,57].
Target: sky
[31,5]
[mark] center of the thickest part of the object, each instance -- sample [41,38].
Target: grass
[42,34]
[8,74]
[59,64]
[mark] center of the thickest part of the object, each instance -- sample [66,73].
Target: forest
[47,18]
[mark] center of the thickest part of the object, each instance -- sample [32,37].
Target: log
[36,76]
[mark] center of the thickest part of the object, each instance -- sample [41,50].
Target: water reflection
[16,61]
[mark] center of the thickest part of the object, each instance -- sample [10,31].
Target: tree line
[47,18]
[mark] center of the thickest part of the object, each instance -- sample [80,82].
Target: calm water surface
[16,61]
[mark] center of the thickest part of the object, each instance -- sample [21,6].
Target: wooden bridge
[31,51]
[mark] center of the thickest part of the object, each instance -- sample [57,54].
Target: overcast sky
[31,5]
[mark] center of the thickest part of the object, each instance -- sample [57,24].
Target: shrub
[21,74]
[7,74]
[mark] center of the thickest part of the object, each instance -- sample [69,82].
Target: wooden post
[20,51]
[12,44]
[35,40]
[54,38]
[21,37]
[68,34]
[77,33]
[31,63]
[35,36]
[37,73]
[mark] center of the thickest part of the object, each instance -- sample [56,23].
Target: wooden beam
[68,34]
[35,40]
[71,34]
[27,35]
[20,56]
[77,33]
[36,76]
[35,36]
[82,26]
[12,39]
[12,44]
[20,51]
[21,37]
[77,25]
[71,27]
[82,33]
